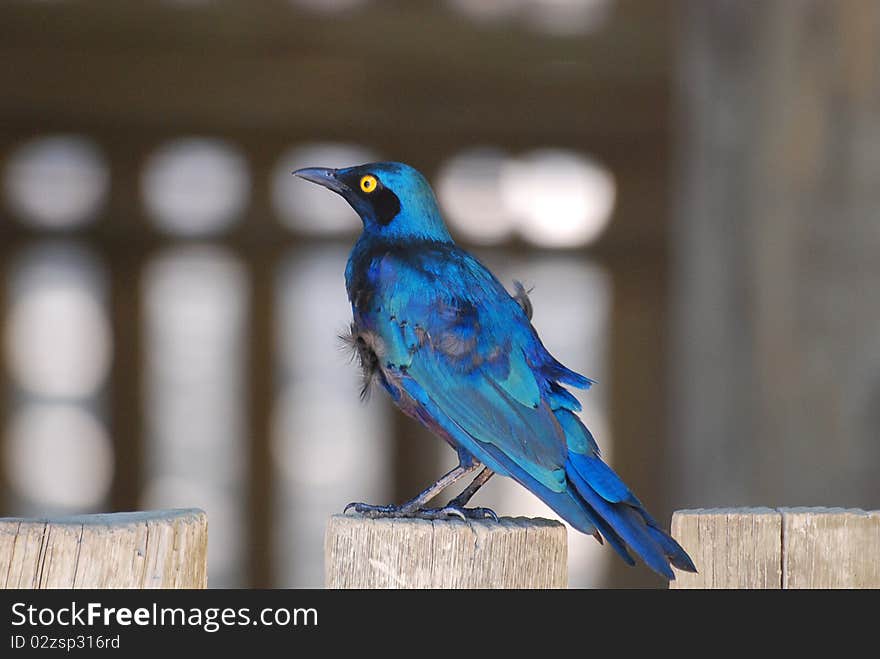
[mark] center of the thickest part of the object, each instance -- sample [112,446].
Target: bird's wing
[455,337]
[455,341]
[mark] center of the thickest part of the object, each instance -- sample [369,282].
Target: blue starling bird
[459,354]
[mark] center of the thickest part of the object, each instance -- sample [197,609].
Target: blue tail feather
[608,533]
[602,479]
[674,551]
[612,507]
[626,522]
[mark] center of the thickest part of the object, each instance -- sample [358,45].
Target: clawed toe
[478,513]
[460,512]
[483,513]
[471,513]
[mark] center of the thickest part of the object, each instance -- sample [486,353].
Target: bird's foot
[404,511]
[453,510]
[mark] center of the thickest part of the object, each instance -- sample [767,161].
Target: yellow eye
[368,183]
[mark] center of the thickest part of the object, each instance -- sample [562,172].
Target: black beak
[322,176]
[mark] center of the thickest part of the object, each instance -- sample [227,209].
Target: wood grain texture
[780,548]
[731,547]
[153,549]
[830,548]
[414,553]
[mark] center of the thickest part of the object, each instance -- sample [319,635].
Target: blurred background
[692,189]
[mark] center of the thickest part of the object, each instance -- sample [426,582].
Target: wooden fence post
[153,549]
[780,548]
[412,553]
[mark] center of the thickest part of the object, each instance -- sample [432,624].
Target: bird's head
[393,200]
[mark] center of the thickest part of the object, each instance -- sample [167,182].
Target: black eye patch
[385,204]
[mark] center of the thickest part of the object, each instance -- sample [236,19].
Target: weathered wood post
[779,547]
[412,553]
[153,549]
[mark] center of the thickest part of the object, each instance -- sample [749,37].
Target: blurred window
[56,182]
[57,454]
[196,186]
[196,306]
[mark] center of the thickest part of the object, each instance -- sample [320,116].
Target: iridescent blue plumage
[457,352]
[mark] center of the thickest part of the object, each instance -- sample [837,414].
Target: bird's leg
[456,507]
[415,506]
[461,500]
